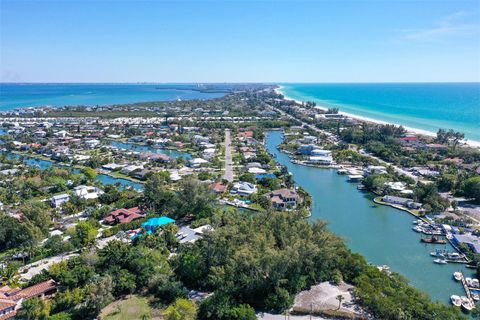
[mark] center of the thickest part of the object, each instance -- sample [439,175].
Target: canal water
[103,178]
[382,234]
[145,148]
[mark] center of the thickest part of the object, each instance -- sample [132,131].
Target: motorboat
[457,276]
[468,281]
[438,253]
[475,283]
[475,297]
[456,300]
[454,256]
[418,229]
[440,261]
[467,304]
[449,236]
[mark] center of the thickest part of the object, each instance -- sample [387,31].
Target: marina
[382,234]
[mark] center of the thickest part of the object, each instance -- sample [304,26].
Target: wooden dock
[467,290]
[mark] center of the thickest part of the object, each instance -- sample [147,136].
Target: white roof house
[257,170]
[196,162]
[244,188]
[87,192]
[59,199]
[92,143]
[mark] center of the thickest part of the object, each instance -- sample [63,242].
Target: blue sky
[228,41]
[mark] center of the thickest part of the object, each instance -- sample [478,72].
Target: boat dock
[467,290]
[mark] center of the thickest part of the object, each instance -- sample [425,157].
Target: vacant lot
[132,308]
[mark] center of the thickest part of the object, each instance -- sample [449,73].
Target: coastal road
[228,157]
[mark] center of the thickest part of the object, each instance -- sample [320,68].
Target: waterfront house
[473,242]
[405,202]
[112,166]
[123,215]
[219,187]
[283,198]
[243,188]
[374,170]
[131,168]
[59,199]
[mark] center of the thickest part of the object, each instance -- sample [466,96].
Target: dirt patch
[323,299]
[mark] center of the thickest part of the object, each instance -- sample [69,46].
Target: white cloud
[454,25]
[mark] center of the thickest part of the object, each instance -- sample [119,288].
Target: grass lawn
[133,308]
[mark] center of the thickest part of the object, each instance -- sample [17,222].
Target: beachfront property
[405,202]
[284,198]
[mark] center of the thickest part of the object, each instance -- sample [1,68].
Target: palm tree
[340,298]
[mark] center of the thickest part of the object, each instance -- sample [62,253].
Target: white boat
[437,253]
[475,283]
[468,281]
[457,276]
[454,255]
[467,304]
[475,297]
[440,261]
[449,236]
[342,171]
[355,177]
[417,229]
[456,300]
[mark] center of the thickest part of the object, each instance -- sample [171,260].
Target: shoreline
[470,143]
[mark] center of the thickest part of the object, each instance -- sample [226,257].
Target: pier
[467,290]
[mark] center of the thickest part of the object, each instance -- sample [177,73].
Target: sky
[233,41]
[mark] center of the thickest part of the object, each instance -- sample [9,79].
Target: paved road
[228,157]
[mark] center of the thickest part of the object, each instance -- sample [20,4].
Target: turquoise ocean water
[426,106]
[29,95]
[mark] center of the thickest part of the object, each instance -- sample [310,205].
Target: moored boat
[418,229]
[475,297]
[475,283]
[467,304]
[454,256]
[434,240]
[440,261]
[457,276]
[438,253]
[456,301]
[468,281]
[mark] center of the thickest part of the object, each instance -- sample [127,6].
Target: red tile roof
[6,303]
[218,187]
[124,215]
[36,290]
[409,139]
[9,315]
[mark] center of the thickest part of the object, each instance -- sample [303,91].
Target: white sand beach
[471,143]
